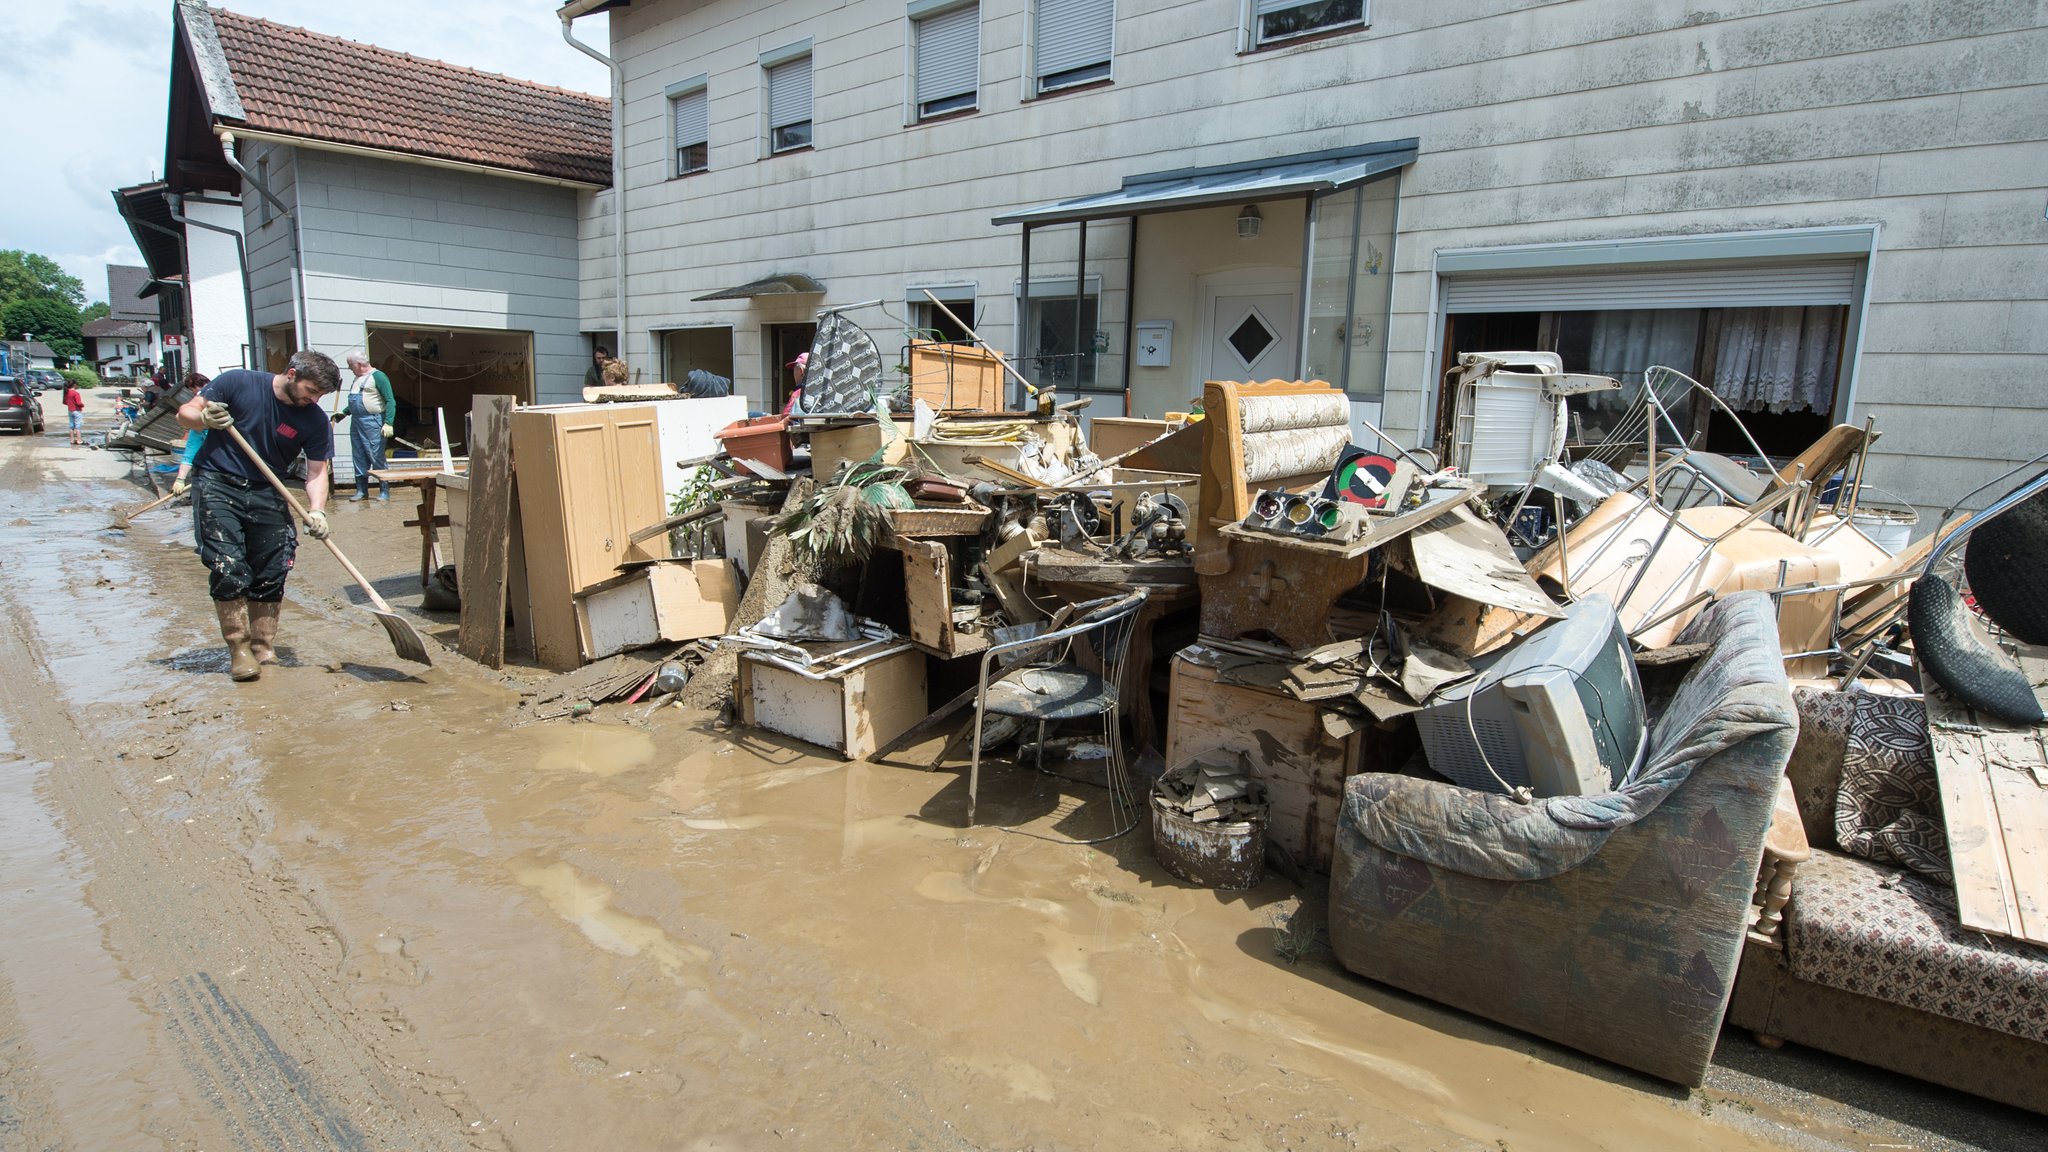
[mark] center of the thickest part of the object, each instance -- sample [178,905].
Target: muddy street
[351,906]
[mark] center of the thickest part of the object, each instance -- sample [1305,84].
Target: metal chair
[1072,672]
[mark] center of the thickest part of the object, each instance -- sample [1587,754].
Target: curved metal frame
[1111,614]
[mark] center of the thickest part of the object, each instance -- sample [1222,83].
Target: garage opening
[446,368]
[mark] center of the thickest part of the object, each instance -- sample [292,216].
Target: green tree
[53,321]
[97,310]
[26,275]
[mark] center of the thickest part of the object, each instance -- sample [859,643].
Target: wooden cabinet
[589,475]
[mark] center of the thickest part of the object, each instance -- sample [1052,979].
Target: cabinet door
[589,498]
[636,448]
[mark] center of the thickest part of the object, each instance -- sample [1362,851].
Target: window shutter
[949,54]
[1695,287]
[693,118]
[789,93]
[1073,34]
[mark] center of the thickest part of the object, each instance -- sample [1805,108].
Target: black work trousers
[245,536]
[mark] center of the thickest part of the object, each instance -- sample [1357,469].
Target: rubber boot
[263,630]
[234,628]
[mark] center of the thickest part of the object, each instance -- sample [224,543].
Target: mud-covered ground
[350,906]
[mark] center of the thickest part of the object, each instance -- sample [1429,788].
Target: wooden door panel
[589,501]
[636,448]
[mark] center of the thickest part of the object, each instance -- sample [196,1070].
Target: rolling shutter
[1746,286]
[948,54]
[789,93]
[693,118]
[1073,34]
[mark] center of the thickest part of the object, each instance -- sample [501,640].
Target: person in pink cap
[797,367]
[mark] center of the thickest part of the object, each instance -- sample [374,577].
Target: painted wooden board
[487,532]
[1994,801]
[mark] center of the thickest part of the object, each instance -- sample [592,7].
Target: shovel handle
[363,582]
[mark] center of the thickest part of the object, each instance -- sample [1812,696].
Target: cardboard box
[664,602]
[852,712]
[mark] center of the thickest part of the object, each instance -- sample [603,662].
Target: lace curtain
[1778,359]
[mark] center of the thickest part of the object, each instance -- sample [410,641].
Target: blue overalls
[366,440]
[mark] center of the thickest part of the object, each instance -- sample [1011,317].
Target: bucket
[1231,856]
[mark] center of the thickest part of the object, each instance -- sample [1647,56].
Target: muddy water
[455,933]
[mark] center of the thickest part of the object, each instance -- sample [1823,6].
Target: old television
[1560,714]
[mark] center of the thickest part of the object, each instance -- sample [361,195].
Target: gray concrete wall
[1540,123]
[269,245]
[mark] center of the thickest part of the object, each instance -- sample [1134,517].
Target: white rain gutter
[569,12]
[291,224]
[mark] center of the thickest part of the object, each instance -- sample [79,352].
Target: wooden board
[1303,768]
[928,590]
[487,532]
[1994,801]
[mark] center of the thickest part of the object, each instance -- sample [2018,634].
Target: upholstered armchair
[1612,923]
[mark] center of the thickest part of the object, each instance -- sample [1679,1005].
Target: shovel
[121,518]
[405,640]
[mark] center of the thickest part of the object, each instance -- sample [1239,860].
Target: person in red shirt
[74,400]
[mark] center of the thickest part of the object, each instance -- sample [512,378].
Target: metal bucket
[1213,855]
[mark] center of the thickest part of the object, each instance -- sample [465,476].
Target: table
[425,479]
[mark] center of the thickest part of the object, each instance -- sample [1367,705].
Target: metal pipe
[1080,288]
[569,13]
[1025,344]
[177,203]
[186,288]
[1130,308]
[291,224]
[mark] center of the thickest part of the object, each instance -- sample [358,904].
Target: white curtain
[1779,359]
[1624,344]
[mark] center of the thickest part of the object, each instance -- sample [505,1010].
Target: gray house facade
[1828,212]
[424,213]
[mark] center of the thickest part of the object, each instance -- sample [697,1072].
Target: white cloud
[90,80]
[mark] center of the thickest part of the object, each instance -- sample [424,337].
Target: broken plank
[487,533]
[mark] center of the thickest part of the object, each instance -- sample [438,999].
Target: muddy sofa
[1608,923]
[1867,959]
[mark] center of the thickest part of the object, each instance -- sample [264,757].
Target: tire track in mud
[177,904]
[28,1114]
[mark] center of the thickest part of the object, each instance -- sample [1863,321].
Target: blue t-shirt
[276,430]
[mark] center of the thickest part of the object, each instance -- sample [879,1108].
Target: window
[1058,359]
[689,105]
[131,349]
[1274,21]
[687,350]
[788,73]
[946,61]
[1071,41]
[265,212]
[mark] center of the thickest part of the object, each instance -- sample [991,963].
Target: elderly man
[369,405]
[244,528]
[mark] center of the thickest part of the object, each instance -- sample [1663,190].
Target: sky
[88,79]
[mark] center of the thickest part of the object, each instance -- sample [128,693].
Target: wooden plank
[487,532]
[1995,807]
[2023,818]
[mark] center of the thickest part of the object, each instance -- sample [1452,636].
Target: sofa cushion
[1892,936]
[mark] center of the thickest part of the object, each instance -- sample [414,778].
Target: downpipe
[291,221]
[618,74]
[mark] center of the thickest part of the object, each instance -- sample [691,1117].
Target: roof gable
[278,79]
[124,293]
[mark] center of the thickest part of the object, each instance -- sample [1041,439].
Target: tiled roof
[112,329]
[299,83]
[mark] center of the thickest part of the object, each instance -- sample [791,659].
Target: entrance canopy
[780,284]
[1310,174]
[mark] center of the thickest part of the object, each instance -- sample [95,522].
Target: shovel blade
[405,639]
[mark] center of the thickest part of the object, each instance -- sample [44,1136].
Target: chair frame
[1103,615]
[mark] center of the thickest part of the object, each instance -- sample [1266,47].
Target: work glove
[388,430]
[180,486]
[316,525]
[338,417]
[216,415]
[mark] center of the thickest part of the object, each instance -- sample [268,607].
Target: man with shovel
[244,529]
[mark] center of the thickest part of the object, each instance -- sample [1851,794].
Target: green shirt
[385,397]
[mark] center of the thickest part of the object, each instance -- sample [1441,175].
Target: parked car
[20,411]
[45,379]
